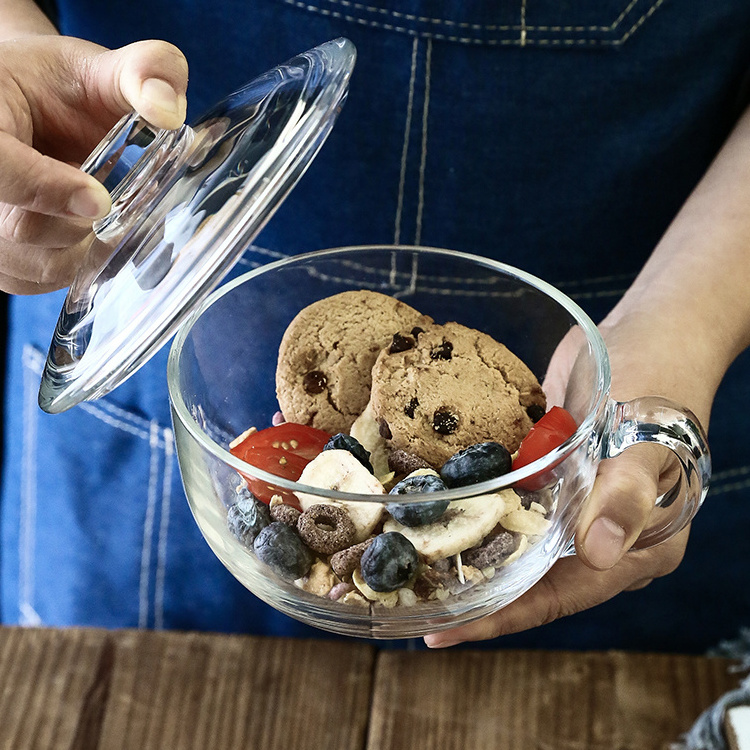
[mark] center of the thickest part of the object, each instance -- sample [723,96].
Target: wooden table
[94,689]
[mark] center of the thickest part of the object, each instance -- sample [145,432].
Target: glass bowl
[221,377]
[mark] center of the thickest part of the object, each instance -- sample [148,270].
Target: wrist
[23,18]
[653,352]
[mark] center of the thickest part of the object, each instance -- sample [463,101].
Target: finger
[639,584]
[34,270]
[149,77]
[617,511]
[24,227]
[551,598]
[569,587]
[35,182]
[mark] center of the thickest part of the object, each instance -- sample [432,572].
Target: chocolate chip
[384,429]
[410,407]
[444,422]
[535,412]
[416,331]
[401,344]
[314,382]
[442,351]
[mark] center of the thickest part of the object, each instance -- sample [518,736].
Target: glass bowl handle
[652,419]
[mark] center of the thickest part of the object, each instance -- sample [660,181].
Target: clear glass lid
[185,205]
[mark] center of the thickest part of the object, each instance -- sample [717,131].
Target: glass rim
[181,412]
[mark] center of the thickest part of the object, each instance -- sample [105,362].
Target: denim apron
[558,137]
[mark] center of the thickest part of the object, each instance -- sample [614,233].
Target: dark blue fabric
[558,137]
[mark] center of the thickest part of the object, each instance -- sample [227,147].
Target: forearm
[20,18]
[695,288]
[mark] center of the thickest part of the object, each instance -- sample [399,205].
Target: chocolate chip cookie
[449,387]
[327,353]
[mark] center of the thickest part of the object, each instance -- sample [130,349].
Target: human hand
[646,359]
[58,98]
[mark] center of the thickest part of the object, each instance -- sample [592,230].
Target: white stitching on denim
[601,294]
[251,264]
[127,416]
[359,282]
[392,273]
[405,147]
[124,420]
[492,42]
[476,26]
[97,412]
[423,155]
[641,21]
[148,527]
[596,280]
[720,485]
[412,287]
[731,487]
[260,251]
[27,520]
[120,419]
[161,554]
[476,293]
[522,38]
[611,27]
[730,473]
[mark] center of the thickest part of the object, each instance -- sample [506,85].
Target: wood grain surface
[83,689]
[454,700]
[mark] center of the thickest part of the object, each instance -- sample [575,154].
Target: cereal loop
[326,528]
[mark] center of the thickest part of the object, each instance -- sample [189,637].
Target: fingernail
[435,640]
[604,543]
[89,203]
[161,94]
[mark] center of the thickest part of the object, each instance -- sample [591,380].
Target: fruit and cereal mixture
[378,399]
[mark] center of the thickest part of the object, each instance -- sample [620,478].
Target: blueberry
[389,562]
[344,442]
[279,547]
[418,514]
[247,517]
[477,463]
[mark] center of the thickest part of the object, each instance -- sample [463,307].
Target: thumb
[150,77]
[619,506]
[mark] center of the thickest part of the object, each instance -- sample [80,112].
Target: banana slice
[387,598]
[365,429]
[339,470]
[531,521]
[528,522]
[463,525]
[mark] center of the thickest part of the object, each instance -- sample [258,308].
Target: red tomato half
[553,429]
[283,450]
[288,437]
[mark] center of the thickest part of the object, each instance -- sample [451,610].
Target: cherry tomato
[288,437]
[553,429]
[283,450]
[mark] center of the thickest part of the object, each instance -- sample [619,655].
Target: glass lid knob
[186,204]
